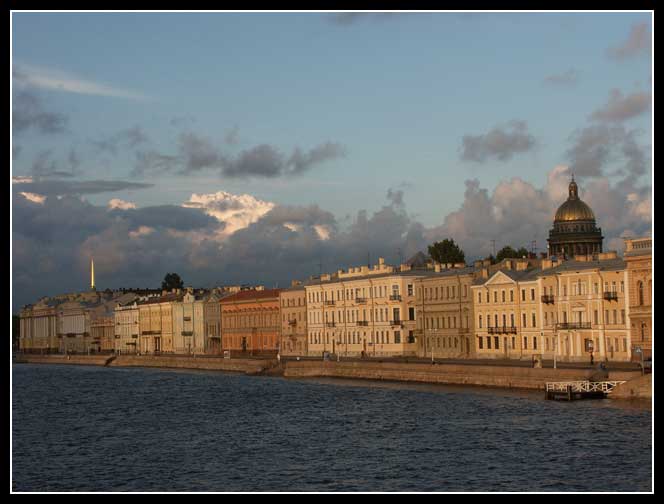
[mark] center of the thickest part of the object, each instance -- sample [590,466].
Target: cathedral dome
[574,209]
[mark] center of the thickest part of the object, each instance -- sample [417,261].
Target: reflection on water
[91,428]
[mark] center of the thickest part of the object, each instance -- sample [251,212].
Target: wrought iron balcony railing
[548,299]
[363,322]
[502,330]
[395,297]
[573,325]
[396,323]
[360,300]
[330,324]
[611,296]
[329,302]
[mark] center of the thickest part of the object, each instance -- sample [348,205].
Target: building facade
[212,322]
[506,312]
[189,324]
[39,328]
[638,257]
[127,328]
[293,303]
[445,313]
[102,331]
[156,323]
[363,312]
[250,322]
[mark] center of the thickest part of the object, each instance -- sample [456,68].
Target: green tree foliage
[172,281]
[509,253]
[446,252]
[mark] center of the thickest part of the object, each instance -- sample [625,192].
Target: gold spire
[92,274]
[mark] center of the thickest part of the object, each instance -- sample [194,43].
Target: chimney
[485,273]
[508,264]
[381,260]
[521,265]
[437,268]
[486,262]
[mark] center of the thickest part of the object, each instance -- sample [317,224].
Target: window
[511,320]
[495,342]
[534,342]
[411,313]
[480,319]
[532,294]
[622,316]
[622,286]
[410,289]
[411,337]
[534,320]
[479,297]
[503,296]
[525,342]
[511,295]
[523,294]
[480,341]
[495,319]
[523,318]
[595,317]
[639,288]
[488,342]
[495,296]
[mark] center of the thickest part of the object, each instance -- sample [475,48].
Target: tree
[172,281]
[446,252]
[508,252]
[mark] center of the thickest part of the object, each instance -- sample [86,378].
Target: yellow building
[445,312]
[127,327]
[156,323]
[189,324]
[293,307]
[585,308]
[506,306]
[363,311]
[39,327]
[638,257]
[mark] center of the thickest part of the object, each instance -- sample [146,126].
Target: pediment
[499,278]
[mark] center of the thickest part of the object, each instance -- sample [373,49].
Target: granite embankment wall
[491,376]
[87,360]
[636,388]
[249,366]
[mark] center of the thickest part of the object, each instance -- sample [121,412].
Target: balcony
[548,299]
[501,330]
[330,324]
[187,333]
[329,302]
[398,323]
[292,322]
[363,322]
[360,300]
[610,296]
[395,297]
[573,325]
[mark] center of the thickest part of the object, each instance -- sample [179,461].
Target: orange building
[250,322]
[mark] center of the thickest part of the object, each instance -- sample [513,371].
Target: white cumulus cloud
[121,204]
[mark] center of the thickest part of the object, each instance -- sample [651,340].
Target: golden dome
[574,209]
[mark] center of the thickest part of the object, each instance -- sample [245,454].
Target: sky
[262,147]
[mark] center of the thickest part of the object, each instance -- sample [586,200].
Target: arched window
[639,287]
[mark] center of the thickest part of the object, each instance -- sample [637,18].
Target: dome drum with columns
[574,229]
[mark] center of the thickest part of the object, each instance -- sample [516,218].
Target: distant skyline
[250,147]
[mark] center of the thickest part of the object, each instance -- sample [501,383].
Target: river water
[86,428]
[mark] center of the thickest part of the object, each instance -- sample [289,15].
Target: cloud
[501,143]
[597,147]
[74,188]
[57,80]
[638,42]
[35,198]
[571,76]
[620,108]
[28,112]
[234,211]
[127,139]
[121,204]
[197,153]
[44,166]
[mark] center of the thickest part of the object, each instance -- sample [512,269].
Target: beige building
[506,312]
[445,312]
[363,311]
[127,327]
[293,307]
[212,321]
[39,327]
[156,323]
[189,324]
[585,308]
[638,257]
[102,331]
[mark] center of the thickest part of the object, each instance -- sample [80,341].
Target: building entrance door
[157,344]
[244,343]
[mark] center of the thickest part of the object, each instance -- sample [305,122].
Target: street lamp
[638,350]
